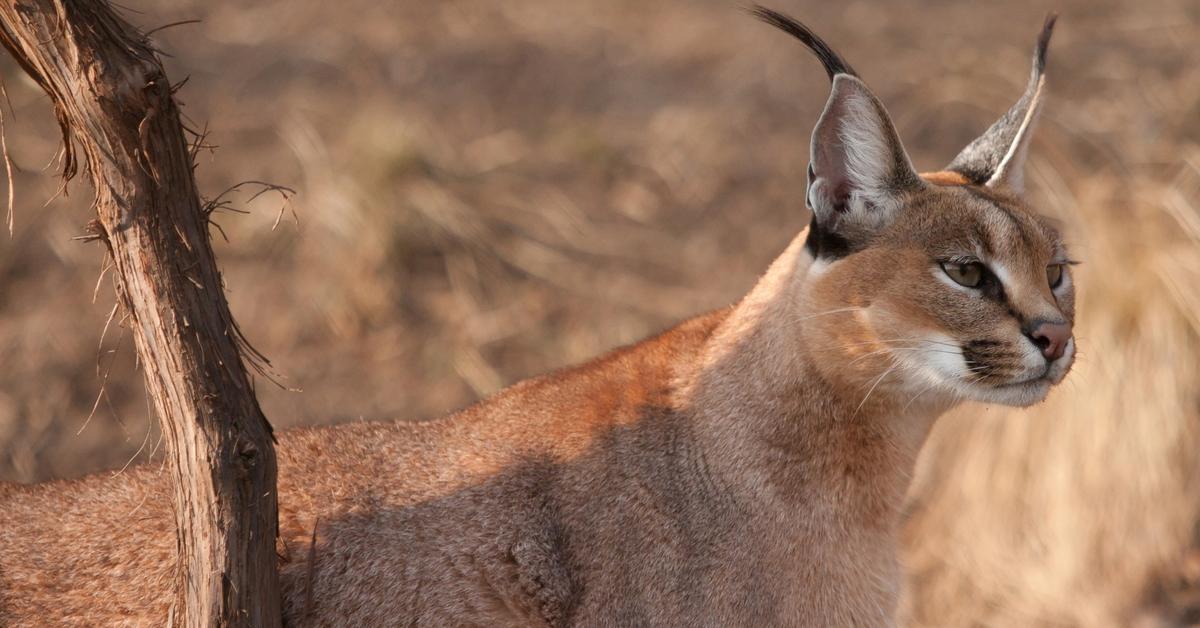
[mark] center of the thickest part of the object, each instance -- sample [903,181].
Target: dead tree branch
[119,121]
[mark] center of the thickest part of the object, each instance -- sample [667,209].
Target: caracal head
[945,285]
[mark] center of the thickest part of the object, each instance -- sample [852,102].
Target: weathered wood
[115,106]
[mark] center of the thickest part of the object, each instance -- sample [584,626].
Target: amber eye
[1054,274]
[969,274]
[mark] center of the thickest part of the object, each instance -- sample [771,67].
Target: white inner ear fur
[1010,173]
[854,154]
[868,158]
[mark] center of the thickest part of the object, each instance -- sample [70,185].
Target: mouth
[1042,378]
[1029,390]
[980,381]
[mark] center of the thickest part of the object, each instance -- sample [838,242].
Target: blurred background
[487,190]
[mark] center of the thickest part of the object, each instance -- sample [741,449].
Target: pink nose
[1051,338]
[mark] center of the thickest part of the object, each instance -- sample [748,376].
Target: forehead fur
[955,220]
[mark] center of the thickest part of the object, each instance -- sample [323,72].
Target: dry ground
[491,189]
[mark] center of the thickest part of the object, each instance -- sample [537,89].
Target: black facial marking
[990,286]
[993,289]
[824,244]
[988,358]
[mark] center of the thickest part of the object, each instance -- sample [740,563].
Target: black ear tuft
[859,175]
[833,62]
[1043,42]
[997,157]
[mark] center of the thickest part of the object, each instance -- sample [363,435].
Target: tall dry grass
[1081,512]
[1084,511]
[489,190]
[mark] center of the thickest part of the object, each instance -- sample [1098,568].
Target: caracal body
[746,468]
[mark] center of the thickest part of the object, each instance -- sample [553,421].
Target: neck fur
[774,416]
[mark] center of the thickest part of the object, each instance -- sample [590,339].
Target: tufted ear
[858,174]
[997,158]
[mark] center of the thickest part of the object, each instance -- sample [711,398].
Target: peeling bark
[120,123]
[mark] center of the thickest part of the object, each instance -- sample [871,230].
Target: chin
[1017,395]
[1021,394]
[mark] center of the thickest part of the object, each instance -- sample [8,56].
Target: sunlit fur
[747,467]
[892,308]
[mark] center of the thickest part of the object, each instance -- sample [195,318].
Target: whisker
[893,340]
[873,386]
[828,312]
[914,398]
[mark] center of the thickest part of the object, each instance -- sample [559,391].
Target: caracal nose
[1051,338]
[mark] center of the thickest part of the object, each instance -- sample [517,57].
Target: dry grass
[488,190]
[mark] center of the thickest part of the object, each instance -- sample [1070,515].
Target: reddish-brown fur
[944,177]
[719,472]
[747,467]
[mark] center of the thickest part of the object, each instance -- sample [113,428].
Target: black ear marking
[859,174]
[822,243]
[833,62]
[1043,42]
[997,157]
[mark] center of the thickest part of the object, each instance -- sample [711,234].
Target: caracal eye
[969,274]
[1054,275]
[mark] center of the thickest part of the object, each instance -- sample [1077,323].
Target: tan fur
[727,471]
[747,467]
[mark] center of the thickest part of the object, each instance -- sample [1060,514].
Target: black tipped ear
[997,158]
[833,62]
[859,175]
